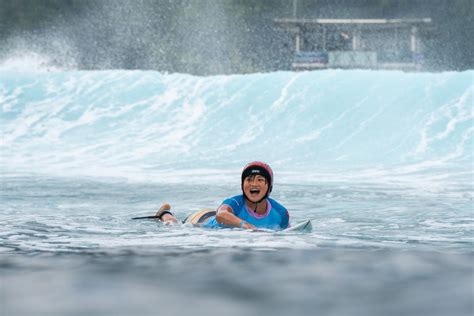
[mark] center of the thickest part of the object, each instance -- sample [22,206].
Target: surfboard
[303,226]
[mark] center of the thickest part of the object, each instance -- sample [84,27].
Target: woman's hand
[226,216]
[246,225]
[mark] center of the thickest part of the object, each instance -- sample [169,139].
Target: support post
[355,39]
[413,39]
[324,38]
[298,42]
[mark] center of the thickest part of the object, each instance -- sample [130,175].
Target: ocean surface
[382,161]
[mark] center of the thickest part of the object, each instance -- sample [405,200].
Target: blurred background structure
[357,43]
[208,37]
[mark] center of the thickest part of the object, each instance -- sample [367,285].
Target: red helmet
[258,168]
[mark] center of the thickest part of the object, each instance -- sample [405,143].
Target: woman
[252,209]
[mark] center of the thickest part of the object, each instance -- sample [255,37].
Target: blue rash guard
[276,217]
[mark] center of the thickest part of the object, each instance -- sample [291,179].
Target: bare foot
[165,215]
[163,208]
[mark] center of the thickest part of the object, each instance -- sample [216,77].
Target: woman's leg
[199,218]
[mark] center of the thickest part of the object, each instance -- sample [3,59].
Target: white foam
[147,126]
[28,62]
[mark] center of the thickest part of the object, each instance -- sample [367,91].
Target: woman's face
[255,187]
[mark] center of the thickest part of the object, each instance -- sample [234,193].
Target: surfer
[252,209]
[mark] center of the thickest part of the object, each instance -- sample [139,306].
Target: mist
[205,37]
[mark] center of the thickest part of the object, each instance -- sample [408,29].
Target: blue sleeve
[285,216]
[235,204]
[285,220]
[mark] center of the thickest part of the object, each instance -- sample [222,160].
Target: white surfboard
[303,226]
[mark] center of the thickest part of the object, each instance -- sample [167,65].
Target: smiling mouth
[254,191]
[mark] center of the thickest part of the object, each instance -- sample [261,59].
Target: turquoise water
[382,161]
[145,125]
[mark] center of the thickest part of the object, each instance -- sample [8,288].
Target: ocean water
[382,161]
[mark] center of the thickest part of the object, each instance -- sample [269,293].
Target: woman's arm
[226,216]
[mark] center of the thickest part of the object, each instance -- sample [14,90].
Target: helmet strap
[262,199]
[256,203]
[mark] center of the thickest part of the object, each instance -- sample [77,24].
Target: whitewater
[382,161]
